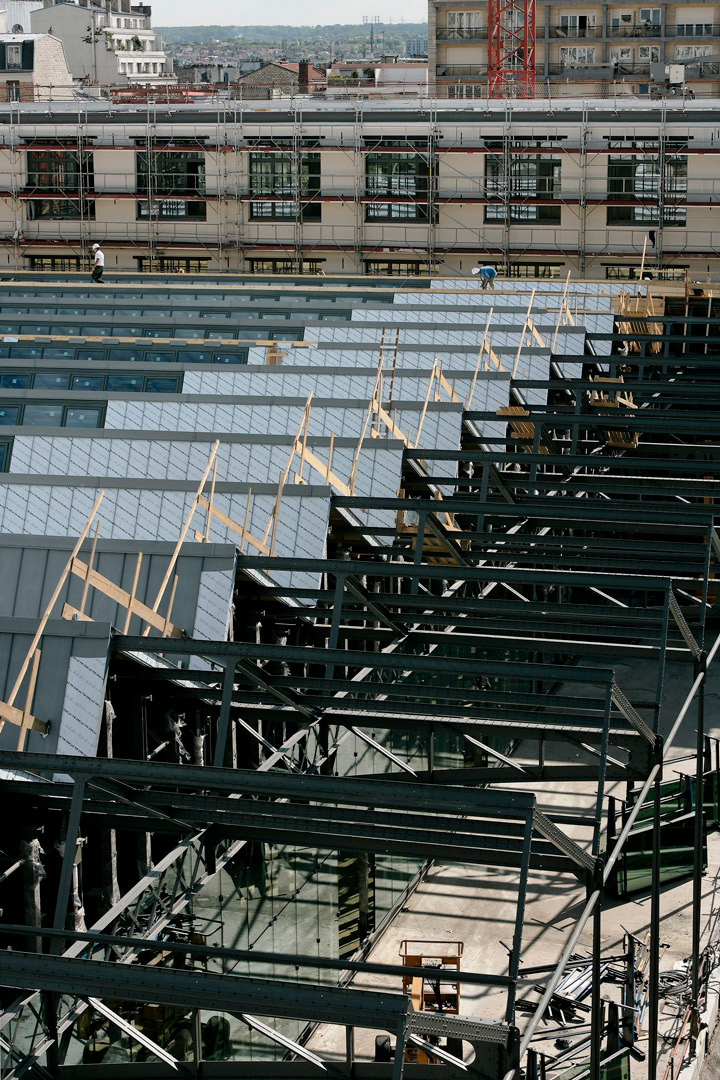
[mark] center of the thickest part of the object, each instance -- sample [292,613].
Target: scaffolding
[434,221]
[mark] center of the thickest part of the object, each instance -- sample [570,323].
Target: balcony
[584,72]
[474,33]
[574,33]
[635,30]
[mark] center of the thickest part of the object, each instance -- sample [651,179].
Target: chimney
[304,77]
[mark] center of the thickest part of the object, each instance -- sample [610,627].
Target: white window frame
[14,51]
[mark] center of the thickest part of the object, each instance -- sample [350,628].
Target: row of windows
[189,332]
[77,209]
[64,380]
[73,416]
[99,311]
[145,265]
[123,356]
[291,179]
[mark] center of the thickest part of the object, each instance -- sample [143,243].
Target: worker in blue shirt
[487,275]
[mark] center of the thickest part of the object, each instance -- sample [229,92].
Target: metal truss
[511,567]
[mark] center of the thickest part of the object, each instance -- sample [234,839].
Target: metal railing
[573,32]
[474,33]
[635,30]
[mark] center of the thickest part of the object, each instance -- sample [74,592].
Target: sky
[230,13]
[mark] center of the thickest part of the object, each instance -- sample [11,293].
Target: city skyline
[226,12]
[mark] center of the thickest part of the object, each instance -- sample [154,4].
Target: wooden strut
[528,325]
[481,353]
[23,717]
[565,317]
[183,533]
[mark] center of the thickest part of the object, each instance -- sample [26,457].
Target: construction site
[373,189]
[359,651]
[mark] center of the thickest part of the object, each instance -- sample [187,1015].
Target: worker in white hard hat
[98,264]
[487,275]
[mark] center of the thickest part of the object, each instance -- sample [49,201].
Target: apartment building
[581,49]
[32,67]
[111,43]
[377,188]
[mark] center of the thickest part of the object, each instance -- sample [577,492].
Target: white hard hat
[475,270]
[95,247]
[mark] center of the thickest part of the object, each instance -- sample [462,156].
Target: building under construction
[357,643]
[373,189]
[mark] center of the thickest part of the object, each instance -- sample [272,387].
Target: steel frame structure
[437,627]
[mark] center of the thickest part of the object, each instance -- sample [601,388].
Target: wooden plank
[228,522]
[122,597]
[133,592]
[28,718]
[15,716]
[183,532]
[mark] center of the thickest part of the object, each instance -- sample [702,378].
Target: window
[191,356]
[275,174]
[649,53]
[81,417]
[171,266]
[694,29]
[230,358]
[9,415]
[13,57]
[623,272]
[52,264]
[395,268]
[171,172]
[87,382]
[531,178]
[173,209]
[60,170]
[466,90]
[161,385]
[5,452]
[400,176]
[639,181]
[536,270]
[577,25]
[158,357]
[12,91]
[60,209]
[689,52]
[14,382]
[577,54]
[649,22]
[47,380]
[464,24]
[621,56]
[285,266]
[91,356]
[42,416]
[124,383]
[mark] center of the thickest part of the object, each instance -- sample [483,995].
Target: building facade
[33,68]
[377,188]
[112,44]
[581,49]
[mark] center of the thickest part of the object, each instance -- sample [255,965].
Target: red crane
[511,48]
